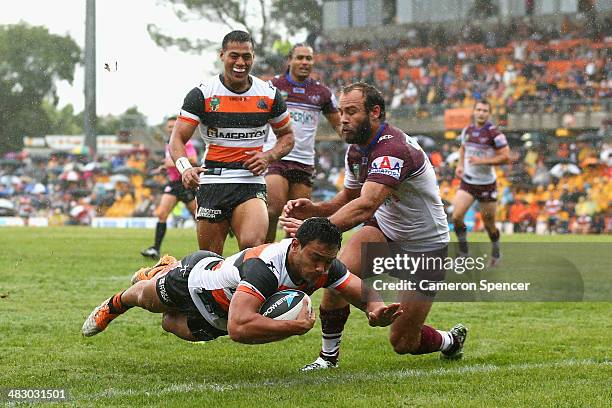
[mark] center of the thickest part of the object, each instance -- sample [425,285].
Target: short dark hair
[237,36]
[298,45]
[171,118]
[290,55]
[321,229]
[371,94]
[482,101]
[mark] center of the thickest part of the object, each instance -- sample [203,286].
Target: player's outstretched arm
[303,208]
[363,208]
[246,325]
[368,300]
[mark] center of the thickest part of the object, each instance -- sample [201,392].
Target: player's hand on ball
[290,225]
[300,208]
[191,176]
[306,317]
[384,315]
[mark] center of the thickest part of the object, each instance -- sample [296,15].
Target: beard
[360,135]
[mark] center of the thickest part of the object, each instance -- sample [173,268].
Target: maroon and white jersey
[553,206]
[305,101]
[481,142]
[414,213]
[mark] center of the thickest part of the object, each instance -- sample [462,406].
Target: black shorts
[484,193]
[177,189]
[294,172]
[216,202]
[173,291]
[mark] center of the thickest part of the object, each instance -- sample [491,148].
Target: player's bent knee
[252,240]
[147,295]
[168,323]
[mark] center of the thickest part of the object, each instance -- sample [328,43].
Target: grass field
[517,354]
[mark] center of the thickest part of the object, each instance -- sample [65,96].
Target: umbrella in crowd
[453,157]
[426,142]
[70,176]
[119,178]
[559,170]
[9,179]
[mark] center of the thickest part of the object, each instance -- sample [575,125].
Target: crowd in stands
[558,187]
[518,67]
[551,186]
[72,188]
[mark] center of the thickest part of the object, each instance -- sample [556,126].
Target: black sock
[160,231]
[494,237]
[461,232]
[332,325]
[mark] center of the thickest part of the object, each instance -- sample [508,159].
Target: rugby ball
[285,304]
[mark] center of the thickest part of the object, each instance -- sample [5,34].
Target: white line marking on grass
[307,379]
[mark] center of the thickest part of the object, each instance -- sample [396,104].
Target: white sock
[447,340]
[330,346]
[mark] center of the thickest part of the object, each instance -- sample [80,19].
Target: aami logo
[387,165]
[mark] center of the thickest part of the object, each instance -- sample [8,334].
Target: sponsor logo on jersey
[356,169]
[388,166]
[215,102]
[385,137]
[315,99]
[214,132]
[239,98]
[304,118]
[299,90]
[284,94]
[261,104]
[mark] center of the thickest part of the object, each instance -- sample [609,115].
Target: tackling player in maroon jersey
[390,186]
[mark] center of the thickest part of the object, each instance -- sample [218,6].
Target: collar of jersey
[294,83]
[231,90]
[486,124]
[367,149]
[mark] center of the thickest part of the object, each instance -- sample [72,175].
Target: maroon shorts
[427,273]
[294,172]
[372,222]
[484,193]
